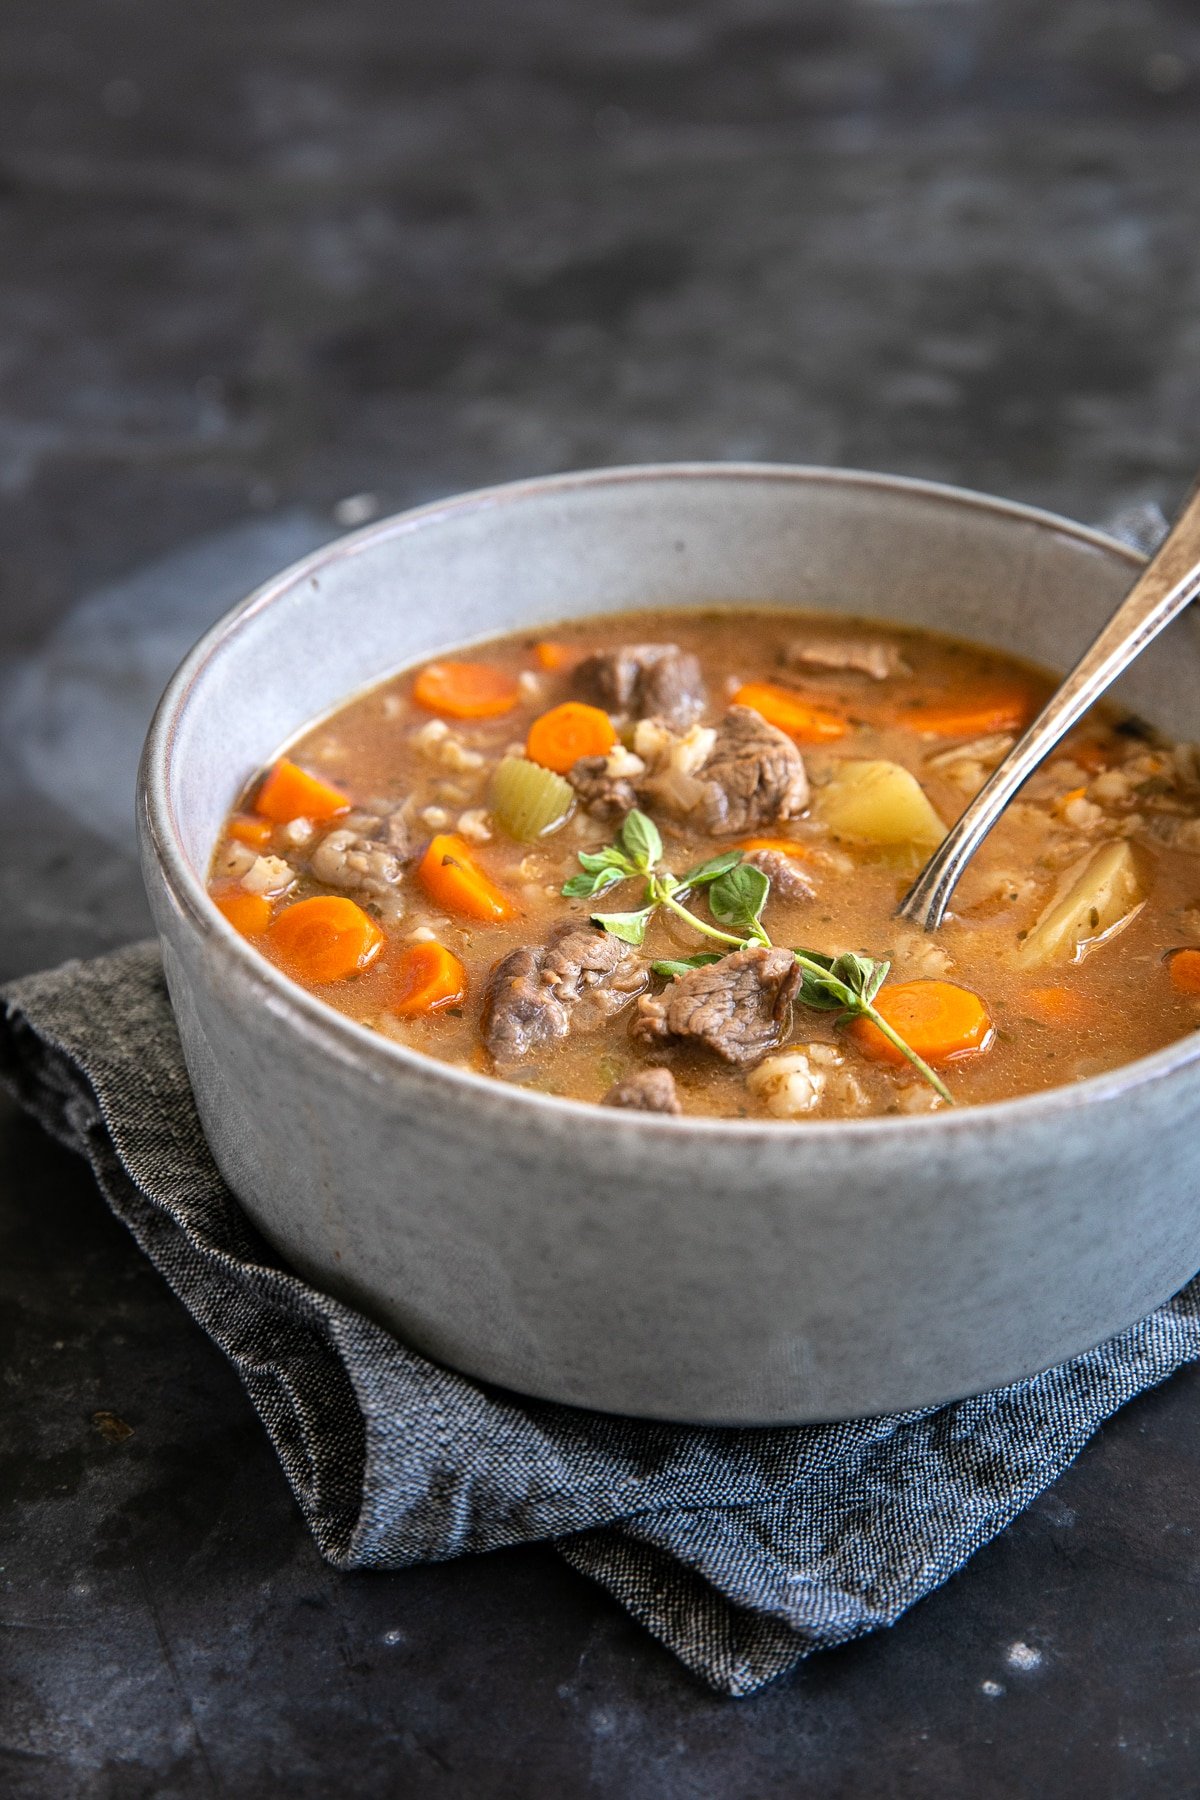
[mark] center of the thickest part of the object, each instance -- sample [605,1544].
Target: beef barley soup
[653,862]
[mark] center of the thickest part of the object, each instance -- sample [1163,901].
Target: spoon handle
[1168,584]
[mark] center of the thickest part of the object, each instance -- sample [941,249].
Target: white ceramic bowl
[715,1270]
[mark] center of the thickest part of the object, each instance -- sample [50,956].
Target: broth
[1116,807]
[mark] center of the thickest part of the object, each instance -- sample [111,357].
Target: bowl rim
[369,1053]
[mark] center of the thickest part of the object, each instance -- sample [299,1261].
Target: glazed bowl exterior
[690,1269]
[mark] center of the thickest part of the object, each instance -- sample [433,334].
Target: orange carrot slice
[290,792]
[937,1019]
[807,723]
[553,657]
[1007,710]
[466,690]
[428,977]
[250,914]
[1058,1006]
[248,830]
[561,736]
[450,875]
[784,846]
[1089,755]
[1184,969]
[325,939]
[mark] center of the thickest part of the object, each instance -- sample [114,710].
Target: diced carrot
[466,690]
[784,846]
[553,657]
[450,875]
[248,830]
[1184,969]
[937,1019]
[561,736]
[428,977]
[800,718]
[1058,1006]
[290,792]
[328,938]
[1009,709]
[250,914]
[1090,755]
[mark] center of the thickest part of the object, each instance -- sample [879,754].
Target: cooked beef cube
[658,681]
[540,993]
[859,656]
[787,881]
[601,792]
[738,1008]
[400,833]
[650,1090]
[360,865]
[753,777]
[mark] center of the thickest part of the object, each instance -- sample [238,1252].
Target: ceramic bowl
[707,1270]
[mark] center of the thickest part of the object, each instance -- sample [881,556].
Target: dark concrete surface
[261,261]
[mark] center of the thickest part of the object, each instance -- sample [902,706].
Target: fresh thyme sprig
[737,894]
[847,985]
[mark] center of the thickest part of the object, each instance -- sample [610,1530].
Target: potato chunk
[879,803]
[1096,899]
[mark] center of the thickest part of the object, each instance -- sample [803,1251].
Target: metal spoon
[1168,584]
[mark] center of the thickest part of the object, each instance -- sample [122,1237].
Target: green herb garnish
[847,985]
[737,895]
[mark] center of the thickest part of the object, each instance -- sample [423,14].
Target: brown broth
[1119,1000]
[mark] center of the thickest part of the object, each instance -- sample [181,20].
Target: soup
[653,861]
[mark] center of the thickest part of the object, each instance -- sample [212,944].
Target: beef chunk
[601,793]
[859,656]
[401,835]
[658,681]
[650,1090]
[787,881]
[738,1008]
[753,777]
[361,865]
[539,993]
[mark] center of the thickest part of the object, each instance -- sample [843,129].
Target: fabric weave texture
[743,1551]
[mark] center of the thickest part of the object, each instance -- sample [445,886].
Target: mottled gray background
[271,268]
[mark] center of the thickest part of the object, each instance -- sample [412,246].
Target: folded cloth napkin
[743,1551]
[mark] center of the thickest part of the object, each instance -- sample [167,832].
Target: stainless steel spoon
[1168,584]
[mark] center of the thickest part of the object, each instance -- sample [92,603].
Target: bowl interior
[542,551]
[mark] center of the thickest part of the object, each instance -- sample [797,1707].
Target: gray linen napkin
[743,1551]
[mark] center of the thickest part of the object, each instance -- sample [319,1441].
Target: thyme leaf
[630,927]
[847,985]
[681,965]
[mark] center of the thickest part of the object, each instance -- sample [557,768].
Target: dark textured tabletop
[270,269]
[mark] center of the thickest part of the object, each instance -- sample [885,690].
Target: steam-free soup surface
[391,864]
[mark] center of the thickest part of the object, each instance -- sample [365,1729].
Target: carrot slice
[1058,1006]
[466,690]
[1089,755]
[290,792]
[561,736]
[325,939]
[996,710]
[553,657]
[937,1019]
[807,723]
[784,846]
[428,977]
[248,913]
[450,875]
[248,830]
[1184,969]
